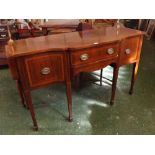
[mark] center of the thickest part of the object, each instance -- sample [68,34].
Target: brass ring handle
[45,71]
[110,51]
[127,51]
[84,57]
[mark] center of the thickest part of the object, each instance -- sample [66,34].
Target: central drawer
[93,54]
[44,69]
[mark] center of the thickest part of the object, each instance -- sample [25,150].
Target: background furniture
[23,30]
[150,29]
[56,26]
[4,37]
[147,25]
[35,31]
[84,26]
[143,24]
[100,23]
[131,23]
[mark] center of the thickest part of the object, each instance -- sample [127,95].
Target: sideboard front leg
[20,90]
[29,103]
[114,83]
[134,75]
[69,99]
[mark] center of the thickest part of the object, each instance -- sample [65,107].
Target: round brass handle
[45,71]
[110,51]
[84,57]
[127,51]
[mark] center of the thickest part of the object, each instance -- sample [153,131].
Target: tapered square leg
[134,75]
[114,83]
[69,99]
[28,99]
[20,90]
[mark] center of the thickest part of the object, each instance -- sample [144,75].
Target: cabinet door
[45,69]
[129,50]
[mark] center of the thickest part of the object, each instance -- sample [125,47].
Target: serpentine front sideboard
[41,61]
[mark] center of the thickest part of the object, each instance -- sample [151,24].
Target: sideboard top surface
[72,41]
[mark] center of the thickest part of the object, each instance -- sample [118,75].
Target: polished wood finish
[70,41]
[38,62]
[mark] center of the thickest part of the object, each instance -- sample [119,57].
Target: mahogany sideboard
[41,61]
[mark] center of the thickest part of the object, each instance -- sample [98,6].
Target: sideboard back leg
[77,82]
[69,99]
[114,83]
[101,75]
[29,103]
[134,74]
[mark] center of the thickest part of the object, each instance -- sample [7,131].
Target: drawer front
[45,69]
[129,50]
[93,54]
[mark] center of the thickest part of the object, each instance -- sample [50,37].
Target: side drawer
[44,69]
[93,54]
[129,50]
